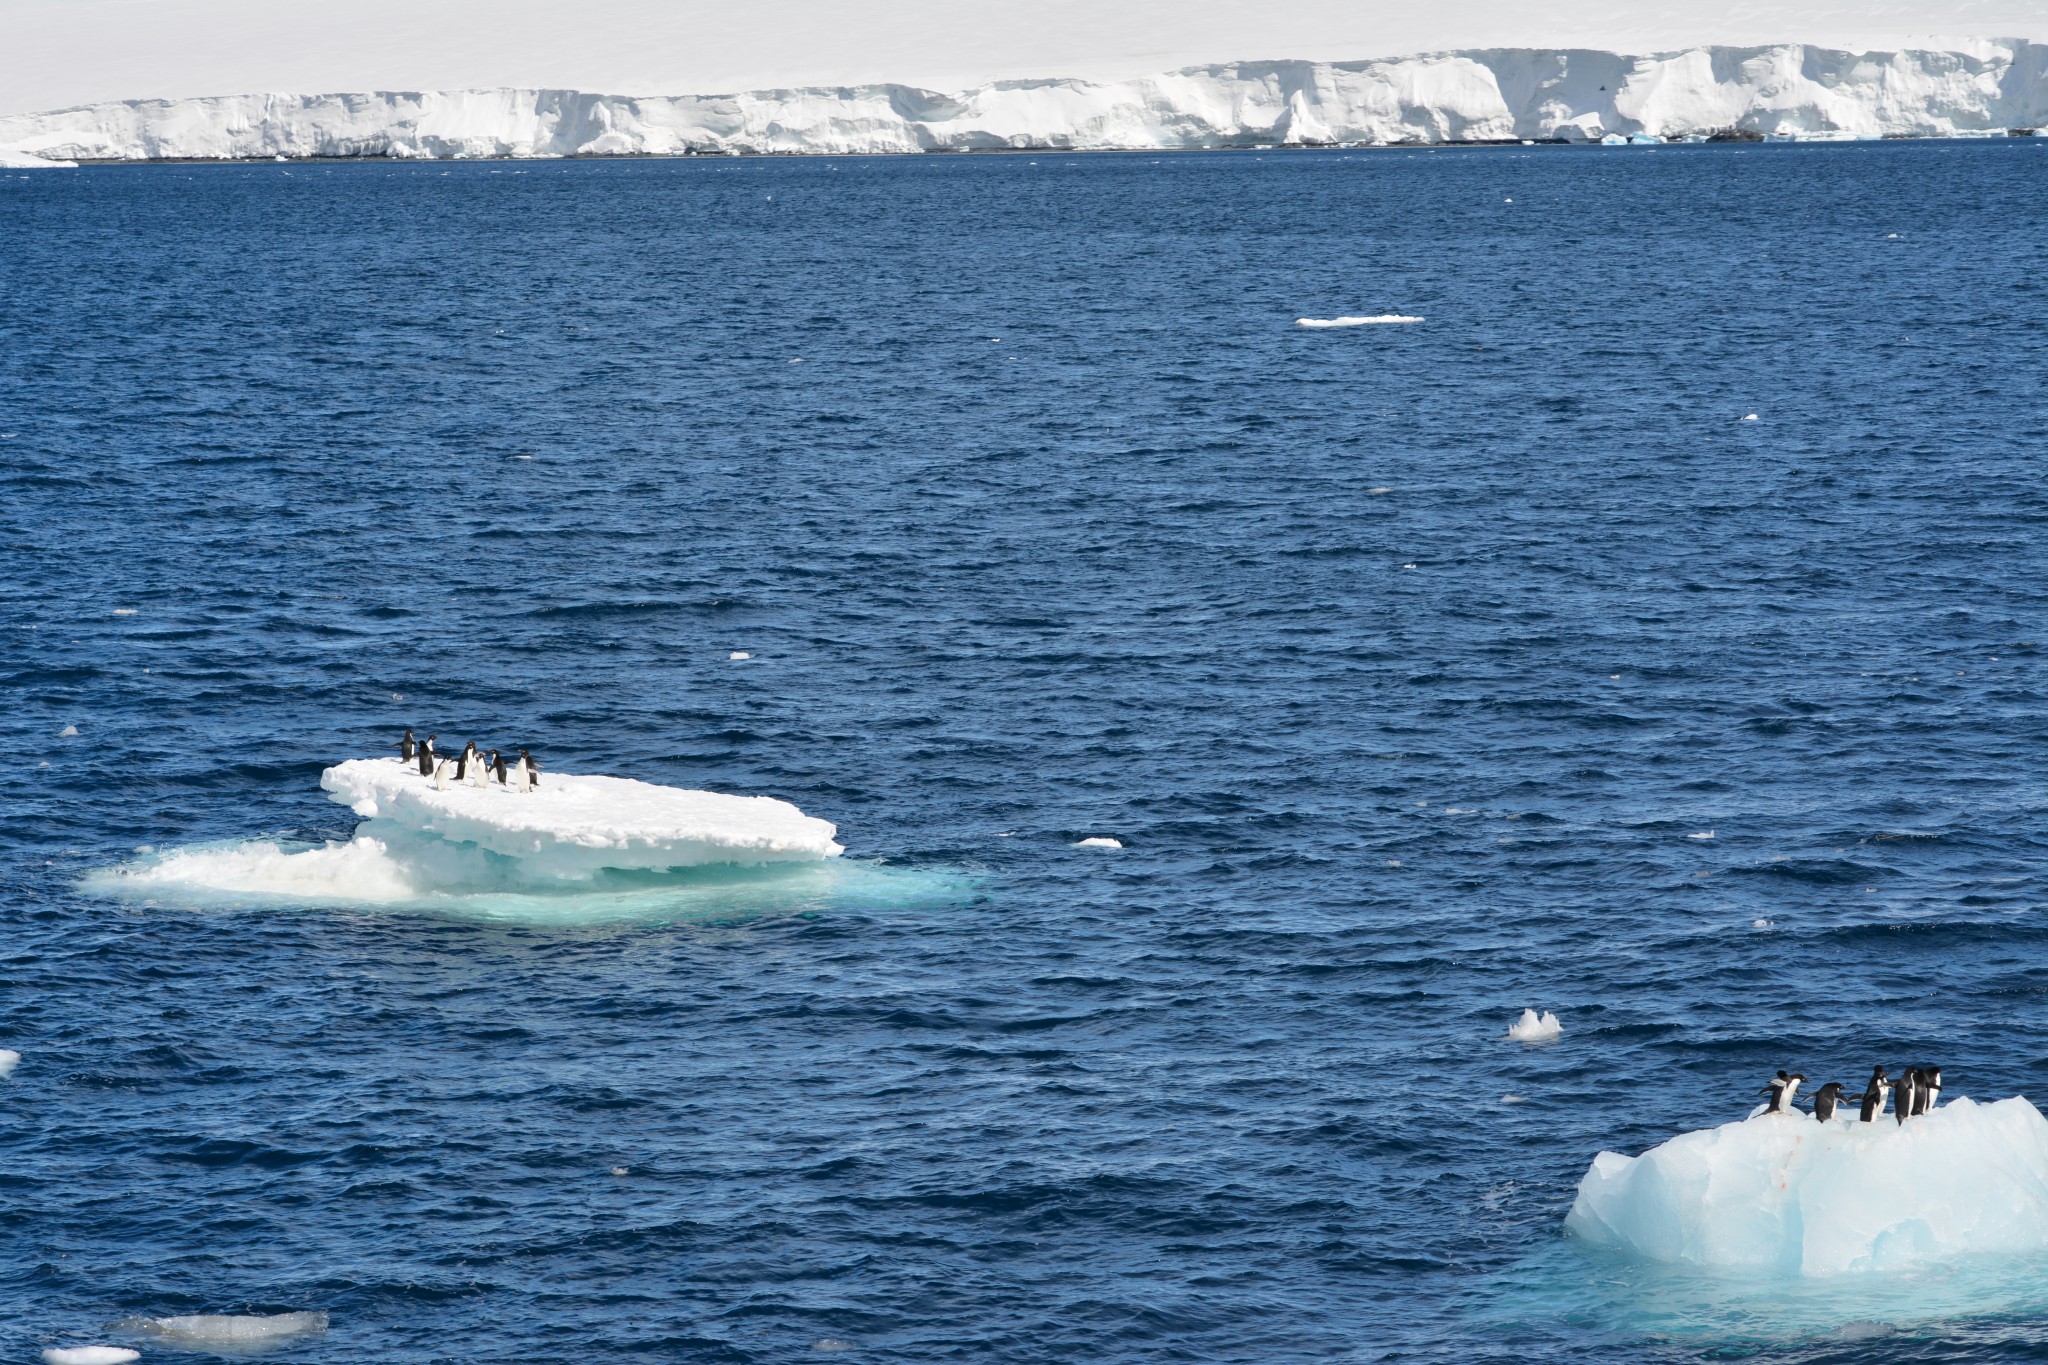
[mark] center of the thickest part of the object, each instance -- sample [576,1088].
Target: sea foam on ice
[1784,1193]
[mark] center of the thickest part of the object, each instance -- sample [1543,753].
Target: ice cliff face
[1790,90]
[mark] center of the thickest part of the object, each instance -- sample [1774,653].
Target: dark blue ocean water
[1403,659]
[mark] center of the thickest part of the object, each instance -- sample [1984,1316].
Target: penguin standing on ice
[406,747]
[498,764]
[479,768]
[465,761]
[1781,1090]
[1929,1090]
[1873,1095]
[426,756]
[520,774]
[1825,1099]
[532,766]
[1906,1094]
[441,767]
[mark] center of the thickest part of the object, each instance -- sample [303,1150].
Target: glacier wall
[1789,90]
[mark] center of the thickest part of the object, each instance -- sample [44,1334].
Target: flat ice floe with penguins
[574,848]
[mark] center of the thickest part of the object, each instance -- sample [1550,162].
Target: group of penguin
[469,766]
[1914,1092]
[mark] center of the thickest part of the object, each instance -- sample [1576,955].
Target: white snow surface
[1784,1193]
[1534,1028]
[214,1330]
[1979,87]
[21,160]
[575,826]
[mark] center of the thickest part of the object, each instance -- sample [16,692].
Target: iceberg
[1786,90]
[573,827]
[577,849]
[1784,1194]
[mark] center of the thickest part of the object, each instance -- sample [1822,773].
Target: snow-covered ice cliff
[1790,90]
[1783,1193]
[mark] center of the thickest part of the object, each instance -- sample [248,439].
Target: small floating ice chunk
[1760,924]
[215,1330]
[1751,417]
[124,611]
[618,1170]
[1703,834]
[1100,842]
[1355,321]
[831,1344]
[9,1059]
[739,656]
[1535,1028]
[1783,1193]
[89,1355]
[1513,1099]
[68,732]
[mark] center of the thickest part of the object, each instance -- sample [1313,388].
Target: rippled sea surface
[1408,662]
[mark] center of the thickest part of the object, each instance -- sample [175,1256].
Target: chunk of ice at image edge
[1783,1193]
[9,1059]
[89,1355]
[214,1330]
[1099,842]
[1375,320]
[1535,1028]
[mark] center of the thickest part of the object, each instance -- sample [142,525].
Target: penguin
[480,769]
[1781,1090]
[405,748]
[441,767]
[1906,1094]
[464,761]
[519,774]
[532,770]
[498,763]
[426,756]
[1825,1099]
[1928,1091]
[1873,1095]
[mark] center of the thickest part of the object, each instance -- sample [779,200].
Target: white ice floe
[1535,1028]
[68,732]
[212,1331]
[738,655]
[1703,834]
[1099,842]
[1750,417]
[574,826]
[89,1355]
[1785,1193]
[1355,322]
[421,843]
[9,1059]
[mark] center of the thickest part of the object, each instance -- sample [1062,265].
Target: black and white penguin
[1929,1091]
[498,764]
[532,769]
[441,767]
[1781,1090]
[1906,1094]
[464,760]
[406,747]
[1825,1099]
[1873,1096]
[426,755]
